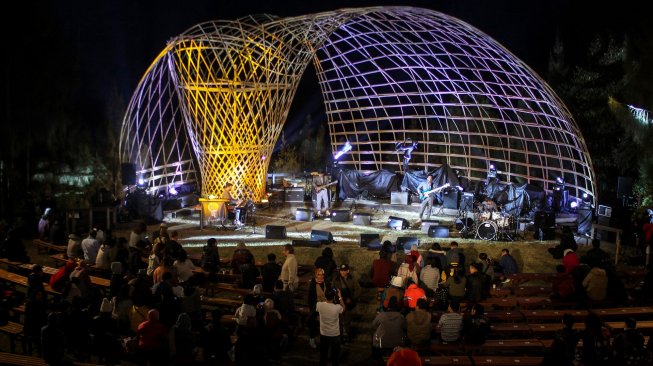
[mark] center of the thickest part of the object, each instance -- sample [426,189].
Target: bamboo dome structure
[212,105]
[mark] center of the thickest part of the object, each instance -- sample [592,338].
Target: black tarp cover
[378,184]
[443,174]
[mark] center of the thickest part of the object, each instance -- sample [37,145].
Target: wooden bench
[547,330]
[625,312]
[538,316]
[526,291]
[514,346]
[14,331]
[445,360]
[20,360]
[22,281]
[509,328]
[517,279]
[507,360]
[10,264]
[59,259]
[101,282]
[43,247]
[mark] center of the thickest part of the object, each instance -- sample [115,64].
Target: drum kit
[486,222]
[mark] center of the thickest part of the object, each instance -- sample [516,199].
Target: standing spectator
[563,287]
[350,291]
[104,335]
[184,266]
[216,340]
[381,270]
[450,324]
[317,289]
[90,247]
[117,280]
[476,327]
[570,260]
[154,259]
[138,233]
[418,323]
[249,274]
[135,260]
[389,328]
[74,248]
[60,278]
[44,225]
[153,346]
[439,255]
[487,265]
[430,275]
[412,294]
[172,247]
[289,269]
[508,264]
[270,272]
[210,257]
[164,267]
[53,343]
[241,256]
[326,262]
[330,327]
[596,284]
[563,348]
[455,256]
[456,285]
[183,339]
[478,284]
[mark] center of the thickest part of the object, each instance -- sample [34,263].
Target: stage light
[346,148]
[173,191]
[141,182]
[263,157]
[573,204]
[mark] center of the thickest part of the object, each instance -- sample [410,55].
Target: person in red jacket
[412,294]
[382,269]
[570,260]
[152,340]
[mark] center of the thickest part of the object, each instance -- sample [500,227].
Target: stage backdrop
[379,184]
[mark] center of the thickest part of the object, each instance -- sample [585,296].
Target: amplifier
[399,198]
[295,195]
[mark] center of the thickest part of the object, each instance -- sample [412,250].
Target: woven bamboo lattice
[386,74]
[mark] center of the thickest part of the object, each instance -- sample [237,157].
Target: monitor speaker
[306,243]
[467,201]
[128,174]
[450,198]
[324,236]
[275,232]
[437,231]
[397,223]
[304,214]
[405,242]
[426,224]
[364,219]
[340,215]
[398,198]
[368,240]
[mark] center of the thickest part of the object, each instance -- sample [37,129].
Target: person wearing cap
[351,291]
[570,260]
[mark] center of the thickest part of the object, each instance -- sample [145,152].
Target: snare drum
[504,220]
[487,230]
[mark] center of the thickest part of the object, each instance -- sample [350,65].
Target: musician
[226,195]
[322,194]
[488,205]
[427,200]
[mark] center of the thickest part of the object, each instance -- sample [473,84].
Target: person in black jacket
[270,272]
[326,262]
[478,284]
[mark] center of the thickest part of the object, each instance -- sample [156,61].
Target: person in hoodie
[418,323]
[596,284]
[326,262]
[153,344]
[60,278]
[389,328]
[412,294]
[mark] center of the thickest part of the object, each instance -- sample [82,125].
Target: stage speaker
[294,195]
[398,198]
[306,243]
[405,242]
[584,220]
[304,214]
[397,223]
[426,224]
[275,232]
[360,218]
[451,198]
[436,231]
[467,201]
[340,215]
[128,174]
[370,239]
[323,236]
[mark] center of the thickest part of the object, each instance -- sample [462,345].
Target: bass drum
[487,230]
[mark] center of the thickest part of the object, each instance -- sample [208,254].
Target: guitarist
[320,184]
[427,200]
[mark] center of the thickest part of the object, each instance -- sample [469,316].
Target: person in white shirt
[184,267]
[137,234]
[330,312]
[90,246]
[289,269]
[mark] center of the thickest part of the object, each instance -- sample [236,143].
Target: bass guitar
[424,194]
[320,188]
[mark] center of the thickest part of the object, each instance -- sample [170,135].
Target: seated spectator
[596,284]
[563,287]
[249,274]
[74,247]
[456,285]
[629,348]
[430,275]
[216,340]
[507,264]
[570,260]
[563,348]
[412,294]
[455,256]
[381,270]
[153,344]
[596,343]
[438,254]
[404,356]
[185,346]
[596,257]
[210,262]
[567,241]
[408,269]
[418,324]
[395,290]
[245,313]
[476,327]
[389,327]
[60,278]
[478,284]
[450,324]
[241,256]
[487,265]
[419,260]
[184,266]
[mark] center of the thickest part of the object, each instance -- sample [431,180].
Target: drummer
[488,205]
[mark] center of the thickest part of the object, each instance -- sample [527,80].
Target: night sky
[113,42]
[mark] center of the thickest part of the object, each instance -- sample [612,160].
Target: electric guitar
[320,188]
[424,194]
